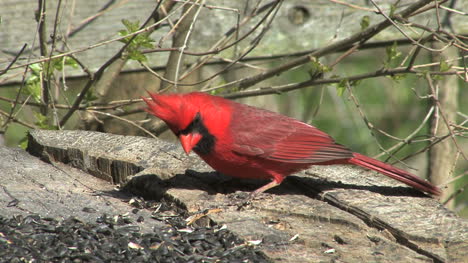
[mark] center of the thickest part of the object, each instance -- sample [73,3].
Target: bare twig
[101,70]
[454,194]
[41,20]
[408,139]
[272,7]
[452,135]
[403,32]
[14,119]
[14,60]
[180,40]
[453,10]
[103,43]
[186,40]
[360,37]
[369,125]
[124,120]
[354,6]
[316,82]
[456,178]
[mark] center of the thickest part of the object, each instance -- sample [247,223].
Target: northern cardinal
[247,142]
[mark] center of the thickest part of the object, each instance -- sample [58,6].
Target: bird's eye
[193,126]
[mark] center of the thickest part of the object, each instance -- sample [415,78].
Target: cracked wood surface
[31,186]
[327,213]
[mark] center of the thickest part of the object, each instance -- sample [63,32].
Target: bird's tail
[395,173]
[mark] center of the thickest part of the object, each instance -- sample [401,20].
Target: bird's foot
[240,199]
[244,199]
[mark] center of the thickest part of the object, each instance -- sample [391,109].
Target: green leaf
[41,120]
[392,53]
[59,63]
[55,64]
[315,68]
[71,62]
[138,41]
[341,87]
[23,143]
[444,66]
[123,33]
[131,26]
[392,10]
[398,77]
[36,68]
[33,88]
[137,55]
[365,22]
[354,83]
[89,97]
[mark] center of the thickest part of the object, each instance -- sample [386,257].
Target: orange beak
[189,141]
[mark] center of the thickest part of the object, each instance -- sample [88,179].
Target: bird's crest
[172,109]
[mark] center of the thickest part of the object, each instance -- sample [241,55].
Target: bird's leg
[264,188]
[257,192]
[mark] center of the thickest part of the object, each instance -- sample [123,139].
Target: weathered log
[333,212]
[30,186]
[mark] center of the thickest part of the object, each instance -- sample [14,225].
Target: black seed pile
[115,239]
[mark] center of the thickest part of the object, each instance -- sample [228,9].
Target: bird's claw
[243,199]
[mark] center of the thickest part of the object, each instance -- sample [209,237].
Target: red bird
[247,142]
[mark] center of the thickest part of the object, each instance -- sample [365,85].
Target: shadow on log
[323,214]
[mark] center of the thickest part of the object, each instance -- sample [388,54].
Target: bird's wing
[276,137]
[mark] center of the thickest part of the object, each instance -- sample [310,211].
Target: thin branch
[274,6]
[41,20]
[454,40]
[454,194]
[103,43]
[408,139]
[369,125]
[315,82]
[426,148]
[216,50]
[403,32]
[444,117]
[344,55]
[187,37]
[92,106]
[456,178]
[124,120]
[453,10]
[23,79]
[428,7]
[14,59]
[360,37]
[14,119]
[102,69]
[86,22]
[179,40]
[209,6]
[89,20]
[354,6]
[161,78]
